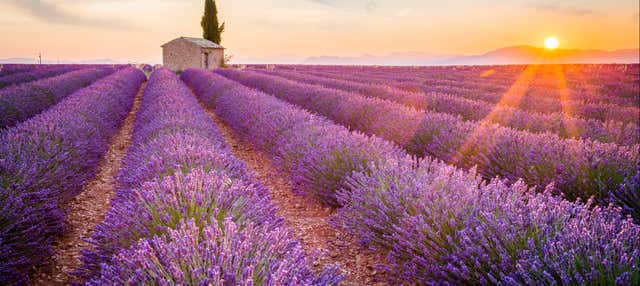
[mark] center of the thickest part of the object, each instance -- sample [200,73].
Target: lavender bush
[580,168]
[180,170]
[598,84]
[446,226]
[35,74]
[21,102]
[476,110]
[156,207]
[443,225]
[628,196]
[8,69]
[172,137]
[494,93]
[372,116]
[317,153]
[46,160]
[218,254]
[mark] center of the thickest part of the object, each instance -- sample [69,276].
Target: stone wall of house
[180,55]
[216,58]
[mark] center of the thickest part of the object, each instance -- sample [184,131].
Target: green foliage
[211,29]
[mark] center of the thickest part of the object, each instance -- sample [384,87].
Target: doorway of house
[206,61]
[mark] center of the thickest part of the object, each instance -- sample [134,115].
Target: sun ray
[487,73]
[512,97]
[565,96]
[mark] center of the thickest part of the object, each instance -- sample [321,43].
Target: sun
[551,43]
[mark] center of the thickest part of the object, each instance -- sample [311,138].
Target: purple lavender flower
[180,170]
[628,196]
[21,102]
[158,206]
[9,69]
[217,254]
[440,225]
[318,154]
[467,82]
[46,160]
[444,225]
[35,74]
[477,110]
[577,167]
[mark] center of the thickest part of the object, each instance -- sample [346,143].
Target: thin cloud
[53,13]
[369,5]
[280,24]
[323,2]
[560,9]
[404,12]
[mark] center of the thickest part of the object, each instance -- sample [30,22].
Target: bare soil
[308,218]
[87,210]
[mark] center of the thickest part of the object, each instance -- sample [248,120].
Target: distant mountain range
[532,55]
[396,59]
[504,56]
[510,55]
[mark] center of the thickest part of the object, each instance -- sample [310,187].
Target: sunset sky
[133,30]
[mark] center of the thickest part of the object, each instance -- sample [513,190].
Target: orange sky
[133,30]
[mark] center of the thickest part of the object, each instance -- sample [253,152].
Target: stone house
[184,52]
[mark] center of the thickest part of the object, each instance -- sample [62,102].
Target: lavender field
[320,175]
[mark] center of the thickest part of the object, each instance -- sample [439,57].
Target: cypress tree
[211,29]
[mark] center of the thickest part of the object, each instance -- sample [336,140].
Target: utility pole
[40,57]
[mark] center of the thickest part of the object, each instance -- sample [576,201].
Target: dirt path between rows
[307,218]
[87,210]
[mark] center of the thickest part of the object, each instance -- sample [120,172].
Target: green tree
[211,29]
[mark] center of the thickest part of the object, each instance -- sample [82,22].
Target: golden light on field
[551,43]
[487,73]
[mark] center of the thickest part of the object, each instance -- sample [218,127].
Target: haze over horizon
[288,29]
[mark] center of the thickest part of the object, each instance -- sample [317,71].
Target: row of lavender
[518,96]
[45,161]
[560,100]
[617,87]
[35,74]
[578,168]
[7,69]
[187,212]
[440,225]
[473,110]
[584,74]
[613,84]
[21,102]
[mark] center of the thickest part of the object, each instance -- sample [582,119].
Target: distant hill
[397,59]
[510,55]
[531,55]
